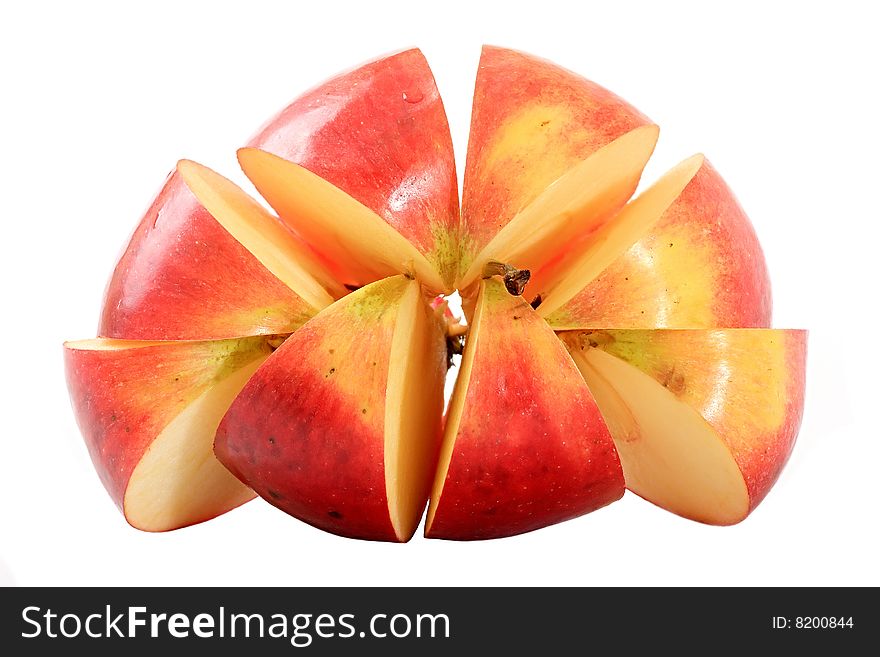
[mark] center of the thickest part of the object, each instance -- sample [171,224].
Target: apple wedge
[576,205]
[378,133]
[563,278]
[148,412]
[703,420]
[359,245]
[532,122]
[263,235]
[184,277]
[700,266]
[341,427]
[525,445]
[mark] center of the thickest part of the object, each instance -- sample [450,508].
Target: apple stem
[514,279]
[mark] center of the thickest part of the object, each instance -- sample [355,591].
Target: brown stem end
[514,279]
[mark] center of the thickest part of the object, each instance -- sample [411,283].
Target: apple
[358,244]
[377,142]
[611,341]
[700,266]
[581,203]
[183,276]
[341,426]
[524,444]
[148,412]
[703,419]
[532,124]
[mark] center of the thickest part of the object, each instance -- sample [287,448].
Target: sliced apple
[379,133]
[700,266]
[263,235]
[564,278]
[532,122]
[524,445]
[703,420]
[360,245]
[578,204]
[148,412]
[341,427]
[183,277]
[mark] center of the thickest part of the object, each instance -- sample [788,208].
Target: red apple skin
[183,277]
[532,448]
[280,463]
[123,399]
[307,433]
[532,121]
[700,266]
[380,134]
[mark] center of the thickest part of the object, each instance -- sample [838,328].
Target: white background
[100,100]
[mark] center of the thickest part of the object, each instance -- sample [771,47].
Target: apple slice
[700,266]
[703,420]
[268,240]
[379,133]
[578,204]
[532,122]
[148,412]
[564,278]
[341,427]
[183,277]
[524,445]
[360,244]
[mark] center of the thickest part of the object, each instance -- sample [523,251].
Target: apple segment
[532,122]
[341,427]
[525,445]
[380,134]
[148,412]
[703,420]
[267,239]
[564,278]
[578,204]
[700,266]
[183,277]
[356,242]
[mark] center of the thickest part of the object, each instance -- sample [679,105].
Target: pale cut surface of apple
[699,266]
[703,420]
[341,427]
[184,277]
[359,243]
[532,122]
[148,412]
[267,239]
[379,133]
[563,279]
[413,418]
[577,204]
[524,445]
